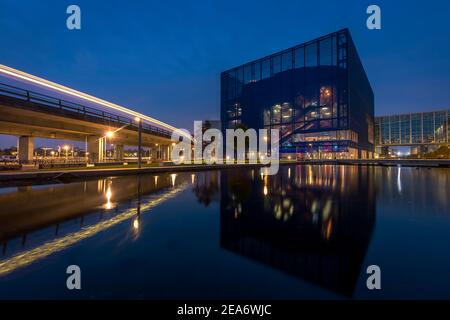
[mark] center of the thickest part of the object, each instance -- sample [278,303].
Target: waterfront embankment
[72,173]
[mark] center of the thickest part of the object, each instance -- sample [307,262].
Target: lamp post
[139,122]
[110,135]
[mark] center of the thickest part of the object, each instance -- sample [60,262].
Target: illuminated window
[286,112]
[276,114]
[326,102]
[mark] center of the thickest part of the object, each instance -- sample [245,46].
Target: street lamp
[109,134]
[139,122]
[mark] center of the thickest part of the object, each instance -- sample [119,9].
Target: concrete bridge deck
[29,114]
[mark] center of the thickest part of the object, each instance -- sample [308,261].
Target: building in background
[423,132]
[211,124]
[317,94]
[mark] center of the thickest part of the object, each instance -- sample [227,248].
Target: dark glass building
[317,94]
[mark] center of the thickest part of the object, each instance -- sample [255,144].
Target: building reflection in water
[313,222]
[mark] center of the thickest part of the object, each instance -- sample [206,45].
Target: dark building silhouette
[314,223]
[316,94]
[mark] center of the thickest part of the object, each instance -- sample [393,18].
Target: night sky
[164,58]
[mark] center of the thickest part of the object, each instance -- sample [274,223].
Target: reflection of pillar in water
[139,194]
[138,207]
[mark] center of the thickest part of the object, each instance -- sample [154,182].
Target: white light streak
[66,90]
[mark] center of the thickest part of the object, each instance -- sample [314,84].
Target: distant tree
[443,152]
[8,151]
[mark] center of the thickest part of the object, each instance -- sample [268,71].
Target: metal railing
[64,105]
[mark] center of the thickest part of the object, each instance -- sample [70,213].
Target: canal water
[309,232]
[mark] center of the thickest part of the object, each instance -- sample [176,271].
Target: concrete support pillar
[95,148]
[163,152]
[169,149]
[26,149]
[158,152]
[167,152]
[154,153]
[119,152]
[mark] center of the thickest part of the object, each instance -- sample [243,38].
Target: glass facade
[317,94]
[413,128]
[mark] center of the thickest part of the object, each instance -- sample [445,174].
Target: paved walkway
[99,172]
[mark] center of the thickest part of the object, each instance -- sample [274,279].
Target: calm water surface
[308,232]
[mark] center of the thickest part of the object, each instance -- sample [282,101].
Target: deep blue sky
[163,58]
